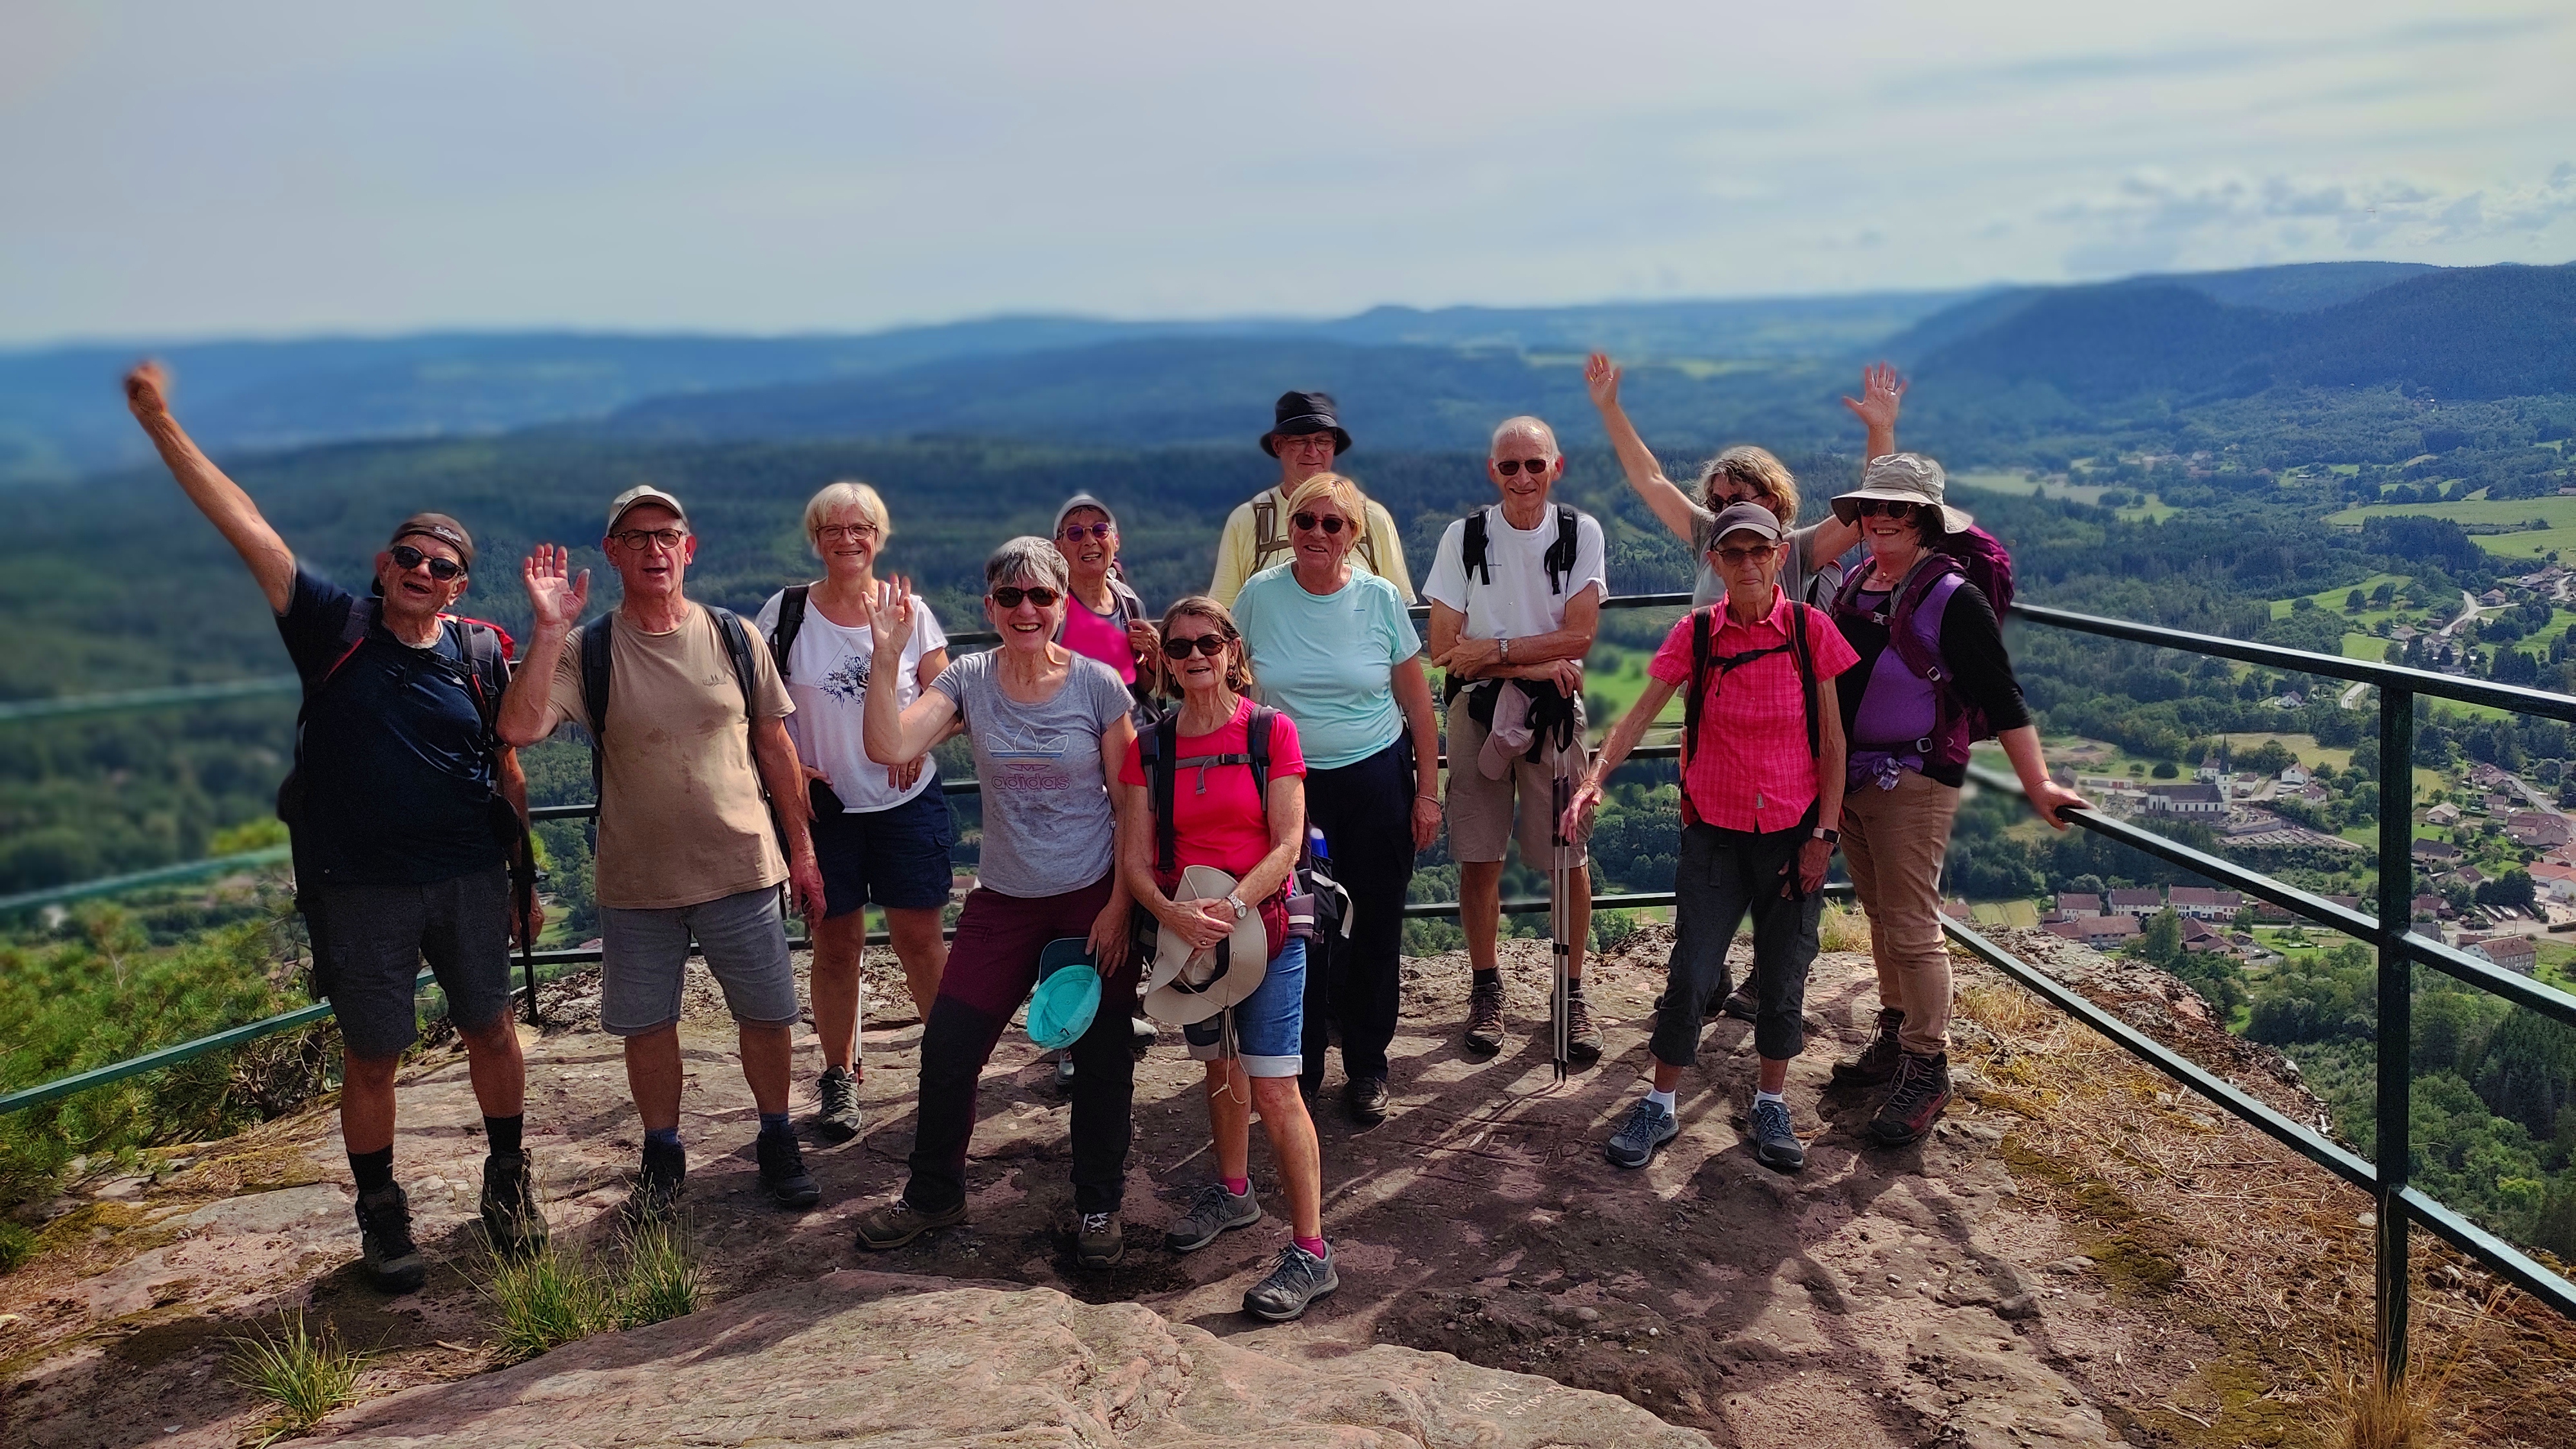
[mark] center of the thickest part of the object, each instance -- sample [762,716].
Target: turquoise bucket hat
[1067,996]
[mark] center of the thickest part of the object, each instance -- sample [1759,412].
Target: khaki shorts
[1480,810]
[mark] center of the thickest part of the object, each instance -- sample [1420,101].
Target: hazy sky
[262,168]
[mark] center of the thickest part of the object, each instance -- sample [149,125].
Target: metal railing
[2383,1174]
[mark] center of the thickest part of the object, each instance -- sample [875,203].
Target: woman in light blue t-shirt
[1333,649]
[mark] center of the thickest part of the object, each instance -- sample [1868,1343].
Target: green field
[2559,512]
[2153,510]
[1613,677]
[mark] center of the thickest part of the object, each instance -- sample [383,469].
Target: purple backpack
[1913,624]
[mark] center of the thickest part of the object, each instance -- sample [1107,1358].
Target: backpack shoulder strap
[1560,554]
[791,618]
[1267,538]
[1702,632]
[594,639]
[1158,746]
[1799,616]
[1471,550]
[1914,616]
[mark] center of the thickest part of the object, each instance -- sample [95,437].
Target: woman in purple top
[1903,783]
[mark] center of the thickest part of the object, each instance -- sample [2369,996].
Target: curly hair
[1756,469]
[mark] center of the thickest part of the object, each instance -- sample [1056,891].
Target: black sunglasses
[1210,645]
[1508,466]
[1330,523]
[445,570]
[1009,596]
[1893,508]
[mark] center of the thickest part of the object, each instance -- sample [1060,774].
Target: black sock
[502,1133]
[374,1170]
[1574,987]
[1483,978]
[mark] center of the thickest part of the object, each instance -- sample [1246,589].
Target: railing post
[2396,1044]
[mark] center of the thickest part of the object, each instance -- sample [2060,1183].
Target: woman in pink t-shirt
[1254,1049]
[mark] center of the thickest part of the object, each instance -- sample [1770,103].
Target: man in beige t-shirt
[687,737]
[1305,438]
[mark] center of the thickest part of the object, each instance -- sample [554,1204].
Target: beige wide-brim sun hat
[1904,478]
[1184,987]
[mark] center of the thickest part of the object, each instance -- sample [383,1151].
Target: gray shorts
[369,942]
[646,961]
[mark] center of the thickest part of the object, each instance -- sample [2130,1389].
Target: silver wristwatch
[1240,909]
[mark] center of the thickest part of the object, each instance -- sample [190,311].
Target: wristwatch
[1505,656]
[1240,909]
[1829,837]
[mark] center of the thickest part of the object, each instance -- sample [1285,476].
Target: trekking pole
[1560,796]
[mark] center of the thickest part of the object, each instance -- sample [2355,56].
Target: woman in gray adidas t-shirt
[1049,728]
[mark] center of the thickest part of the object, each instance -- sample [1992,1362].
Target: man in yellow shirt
[1306,438]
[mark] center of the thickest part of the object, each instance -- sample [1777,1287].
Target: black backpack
[1318,906]
[1559,557]
[1704,658]
[593,640]
[791,618]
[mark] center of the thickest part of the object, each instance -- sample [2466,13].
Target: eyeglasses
[1330,523]
[1303,442]
[1893,508]
[640,539]
[1009,596]
[1736,558]
[1509,466]
[834,532]
[1073,532]
[445,570]
[1179,646]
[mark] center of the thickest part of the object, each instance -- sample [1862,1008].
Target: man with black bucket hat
[404,808]
[1305,436]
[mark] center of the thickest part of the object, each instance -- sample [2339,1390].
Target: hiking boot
[1648,1127]
[1211,1212]
[1739,1003]
[511,1219]
[1775,1141]
[1877,1061]
[1296,1278]
[393,1261]
[1485,1018]
[656,1198]
[837,1119]
[1582,1038]
[1366,1099]
[882,1229]
[1099,1241]
[782,1170]
[1922,1090]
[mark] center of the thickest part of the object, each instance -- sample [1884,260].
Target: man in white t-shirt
[1305,437]
[1515,592]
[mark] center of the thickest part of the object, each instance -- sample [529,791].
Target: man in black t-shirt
[403,807]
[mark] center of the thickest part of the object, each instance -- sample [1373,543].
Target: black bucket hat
[1299,413]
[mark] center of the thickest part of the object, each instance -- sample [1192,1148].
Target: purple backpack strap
[1918,643]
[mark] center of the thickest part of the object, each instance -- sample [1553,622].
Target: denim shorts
[645,961]
[1268,1026]
[895,858]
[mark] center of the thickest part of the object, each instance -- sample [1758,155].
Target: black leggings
[1366,813]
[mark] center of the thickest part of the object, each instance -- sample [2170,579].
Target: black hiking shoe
[1877,1061]
[656,1198]
[1914,1104]
[1775,1140]
[782,1170]
[1485,1017]
[882,1229]
[1582,1038]
[837,1119]
[511,1219]
[1365,1097]
[1739,1003]
[1647,1128]
[393,1261]
[1296,1278]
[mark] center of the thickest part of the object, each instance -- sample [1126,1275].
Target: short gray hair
[1031,559]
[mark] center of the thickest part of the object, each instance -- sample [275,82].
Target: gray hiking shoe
[1211,1212]
[393,1262]
[1485,1018]
[1296,1278]
[1647,1128]
[511,1219]
[1775,1141]
[837,1119]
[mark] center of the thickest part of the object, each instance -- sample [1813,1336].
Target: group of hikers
[1214,814]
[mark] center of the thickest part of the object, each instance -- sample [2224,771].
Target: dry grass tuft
[1841,928]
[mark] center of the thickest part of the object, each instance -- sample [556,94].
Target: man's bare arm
[226,506]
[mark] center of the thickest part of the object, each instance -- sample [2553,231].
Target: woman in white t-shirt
[882,833]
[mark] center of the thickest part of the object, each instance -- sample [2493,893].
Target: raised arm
[1662,497]
[1882,393]
[555,598]
[222,500]
[892,737]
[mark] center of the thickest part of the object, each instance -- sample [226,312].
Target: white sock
[1662,1099]
[1760,1096]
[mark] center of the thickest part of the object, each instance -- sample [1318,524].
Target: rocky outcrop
[877,1359]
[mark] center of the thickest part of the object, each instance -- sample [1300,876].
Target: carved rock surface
[858,1358]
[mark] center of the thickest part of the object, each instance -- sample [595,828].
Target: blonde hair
[1756,469]
[847,493]
[1342,493]
[1238,669]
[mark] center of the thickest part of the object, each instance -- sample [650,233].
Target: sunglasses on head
[1509,466]
[1073,532]
[1329,522]
[1179,647]
[1893,508]
[445,570]
[1009,596]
